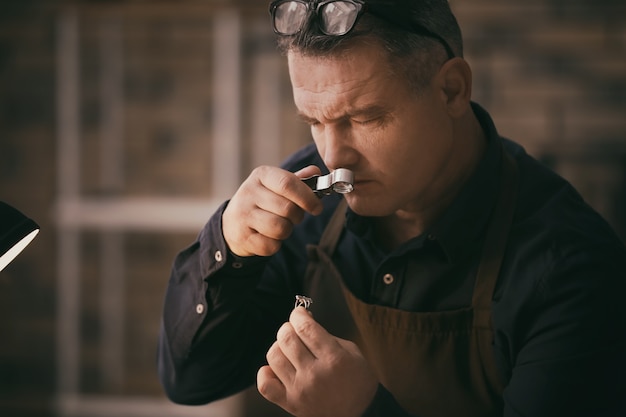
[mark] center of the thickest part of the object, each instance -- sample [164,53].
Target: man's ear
[455,81]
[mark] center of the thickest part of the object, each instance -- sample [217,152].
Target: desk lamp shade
[16,232]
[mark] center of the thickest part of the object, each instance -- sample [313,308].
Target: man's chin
[366,207]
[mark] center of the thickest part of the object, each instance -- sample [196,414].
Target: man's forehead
[361,59]
[331,100]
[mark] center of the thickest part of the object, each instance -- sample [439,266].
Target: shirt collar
[464,220]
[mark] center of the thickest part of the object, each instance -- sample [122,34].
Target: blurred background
[123,124]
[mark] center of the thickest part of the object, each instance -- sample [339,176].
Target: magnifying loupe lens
[342,187]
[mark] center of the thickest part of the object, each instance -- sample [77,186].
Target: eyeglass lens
[289,17]
[338,17]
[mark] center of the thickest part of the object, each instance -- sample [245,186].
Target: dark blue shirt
[558,311]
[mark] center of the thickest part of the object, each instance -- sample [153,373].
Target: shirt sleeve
[209,314]
[221,312]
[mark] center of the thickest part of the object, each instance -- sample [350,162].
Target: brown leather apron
[436,364]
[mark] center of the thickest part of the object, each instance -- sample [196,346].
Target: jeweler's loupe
[340,181]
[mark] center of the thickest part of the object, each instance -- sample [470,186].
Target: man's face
[366,119]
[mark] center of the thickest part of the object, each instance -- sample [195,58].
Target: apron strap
[329,305]
[495,239]
[333,229]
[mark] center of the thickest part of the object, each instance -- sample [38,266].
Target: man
[462,279]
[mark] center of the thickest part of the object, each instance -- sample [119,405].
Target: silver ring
[303,301]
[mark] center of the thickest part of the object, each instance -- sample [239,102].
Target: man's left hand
[311,373]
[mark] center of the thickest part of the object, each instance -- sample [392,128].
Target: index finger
[311,333]
[288,185]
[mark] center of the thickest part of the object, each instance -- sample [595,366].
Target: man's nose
[339,149]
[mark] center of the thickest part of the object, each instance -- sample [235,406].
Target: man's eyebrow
[372,110]
[306,119]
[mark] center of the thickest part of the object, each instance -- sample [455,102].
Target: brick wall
[552,73]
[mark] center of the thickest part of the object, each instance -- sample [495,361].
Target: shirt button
[218,256]
[431,237]
[237,265]
[388,279]
[200,308]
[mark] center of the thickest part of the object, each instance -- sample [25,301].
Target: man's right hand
[265,208]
